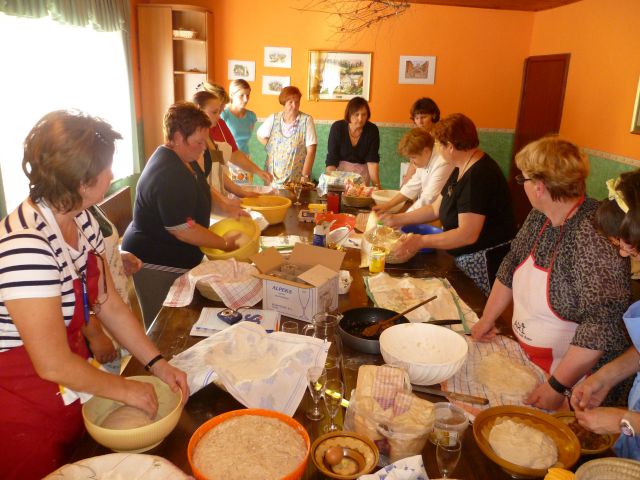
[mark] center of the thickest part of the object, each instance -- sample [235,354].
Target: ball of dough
[125,418]
[241,240]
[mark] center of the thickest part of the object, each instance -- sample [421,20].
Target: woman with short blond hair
[568,286]
[290,140]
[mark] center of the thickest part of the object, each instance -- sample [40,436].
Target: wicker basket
[357,202]
[207,291]
[609,469]
[189,34]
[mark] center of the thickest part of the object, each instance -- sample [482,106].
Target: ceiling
[526,5]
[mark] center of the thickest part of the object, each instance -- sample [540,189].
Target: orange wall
[479,55]
[602,38]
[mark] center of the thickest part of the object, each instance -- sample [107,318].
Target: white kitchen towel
[410,468]
[260,370]
[209,323]
[233,281]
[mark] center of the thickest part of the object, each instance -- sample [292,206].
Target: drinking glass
[333,395]
[447,455]
[332,367]
[316,380]
[297,189]
[289,327]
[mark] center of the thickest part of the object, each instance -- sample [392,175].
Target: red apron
[38,433]
[543,334]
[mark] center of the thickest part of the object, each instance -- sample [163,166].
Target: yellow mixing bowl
[273,207]
[242,224]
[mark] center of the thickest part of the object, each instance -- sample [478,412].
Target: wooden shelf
[189,72]
[196,40]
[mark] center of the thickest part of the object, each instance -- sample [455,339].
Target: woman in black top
[474,207]
[354,143]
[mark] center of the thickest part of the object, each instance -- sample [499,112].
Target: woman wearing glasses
[568,286]
[474,207]
[52,276]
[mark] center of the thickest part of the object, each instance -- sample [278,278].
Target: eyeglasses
[521,179]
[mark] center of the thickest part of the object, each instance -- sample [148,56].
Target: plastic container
[450,423]
[422,229]
[381,239]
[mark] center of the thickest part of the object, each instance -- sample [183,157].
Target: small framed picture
[242,69]
[278,57]
[339,76]
[272,85]
[416,69]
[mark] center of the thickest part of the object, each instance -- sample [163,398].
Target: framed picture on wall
[271,85]
[339,76]
[635,123]
[278,57]
[421,70]
[242,69]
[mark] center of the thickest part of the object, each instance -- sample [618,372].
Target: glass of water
[447,455]
[316,380]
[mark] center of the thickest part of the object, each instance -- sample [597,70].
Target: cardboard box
[296,299]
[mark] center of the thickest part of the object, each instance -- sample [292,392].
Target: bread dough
[523,445]
[125,418]
[504,376]
[241,241]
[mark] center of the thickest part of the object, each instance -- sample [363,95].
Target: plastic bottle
[381,239]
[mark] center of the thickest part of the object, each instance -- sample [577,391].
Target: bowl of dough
[128,429]
[249,443]
[272,207]
[430,354]
[381,197]
[248,242]
[524,441]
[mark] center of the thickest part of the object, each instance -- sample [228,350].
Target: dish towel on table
[260,370]
[463,381]
[399,294]
[410,468]
[233,281]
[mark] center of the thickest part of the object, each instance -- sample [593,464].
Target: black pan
[356,319]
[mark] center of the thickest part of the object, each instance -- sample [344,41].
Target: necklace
[461,173]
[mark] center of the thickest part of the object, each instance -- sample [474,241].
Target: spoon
[372,330]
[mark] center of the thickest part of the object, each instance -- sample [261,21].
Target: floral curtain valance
[101,15]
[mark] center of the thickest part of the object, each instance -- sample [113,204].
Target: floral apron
[286,155]
[542,333]
[625,446]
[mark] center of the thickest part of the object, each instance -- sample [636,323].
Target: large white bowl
[383,196]
[429,353]
[134,440]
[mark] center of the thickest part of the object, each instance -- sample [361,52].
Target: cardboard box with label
[318,293]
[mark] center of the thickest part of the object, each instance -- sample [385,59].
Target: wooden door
[541,100]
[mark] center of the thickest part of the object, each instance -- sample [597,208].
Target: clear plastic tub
[450,423]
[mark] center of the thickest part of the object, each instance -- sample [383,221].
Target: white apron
[542,333]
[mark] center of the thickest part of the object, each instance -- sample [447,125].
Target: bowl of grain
[128,429]
[249,443]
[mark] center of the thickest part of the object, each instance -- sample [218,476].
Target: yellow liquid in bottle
[377,259]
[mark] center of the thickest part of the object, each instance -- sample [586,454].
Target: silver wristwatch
[626,428]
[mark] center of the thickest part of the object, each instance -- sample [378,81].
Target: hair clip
[101,138]
[614,194]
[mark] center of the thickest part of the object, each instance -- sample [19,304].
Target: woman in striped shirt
[52,276]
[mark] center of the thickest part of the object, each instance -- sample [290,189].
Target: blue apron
[629,447]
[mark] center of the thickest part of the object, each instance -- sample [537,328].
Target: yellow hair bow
[614,194]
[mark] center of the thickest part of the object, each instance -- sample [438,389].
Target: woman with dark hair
[474,207]
[172,209]
[618,218]
[290,140]
[52,277]
[568,287]
[424,113]
[354,143]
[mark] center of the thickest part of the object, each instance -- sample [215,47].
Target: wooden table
[170,332]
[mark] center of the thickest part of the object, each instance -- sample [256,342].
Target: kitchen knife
[452,395]
[452,321]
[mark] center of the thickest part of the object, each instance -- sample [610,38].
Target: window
[50,66]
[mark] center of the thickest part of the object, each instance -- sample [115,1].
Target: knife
[452,321]
[452,395]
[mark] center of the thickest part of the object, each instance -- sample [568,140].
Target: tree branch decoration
[357,15]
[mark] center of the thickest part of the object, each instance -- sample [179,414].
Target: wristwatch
[626,428]
[559,387]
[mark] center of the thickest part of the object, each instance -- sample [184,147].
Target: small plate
[605,443]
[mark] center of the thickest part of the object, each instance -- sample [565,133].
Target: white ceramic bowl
[134,440]
[429,353]
[383,196]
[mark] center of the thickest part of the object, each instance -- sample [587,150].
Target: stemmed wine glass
[333,395]
[316,380]
[447,455]
[297,189]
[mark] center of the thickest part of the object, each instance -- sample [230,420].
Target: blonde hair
[218,91]
[414,142]
[558,163]
[238,85]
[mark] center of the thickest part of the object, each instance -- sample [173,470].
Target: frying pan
[356,319]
